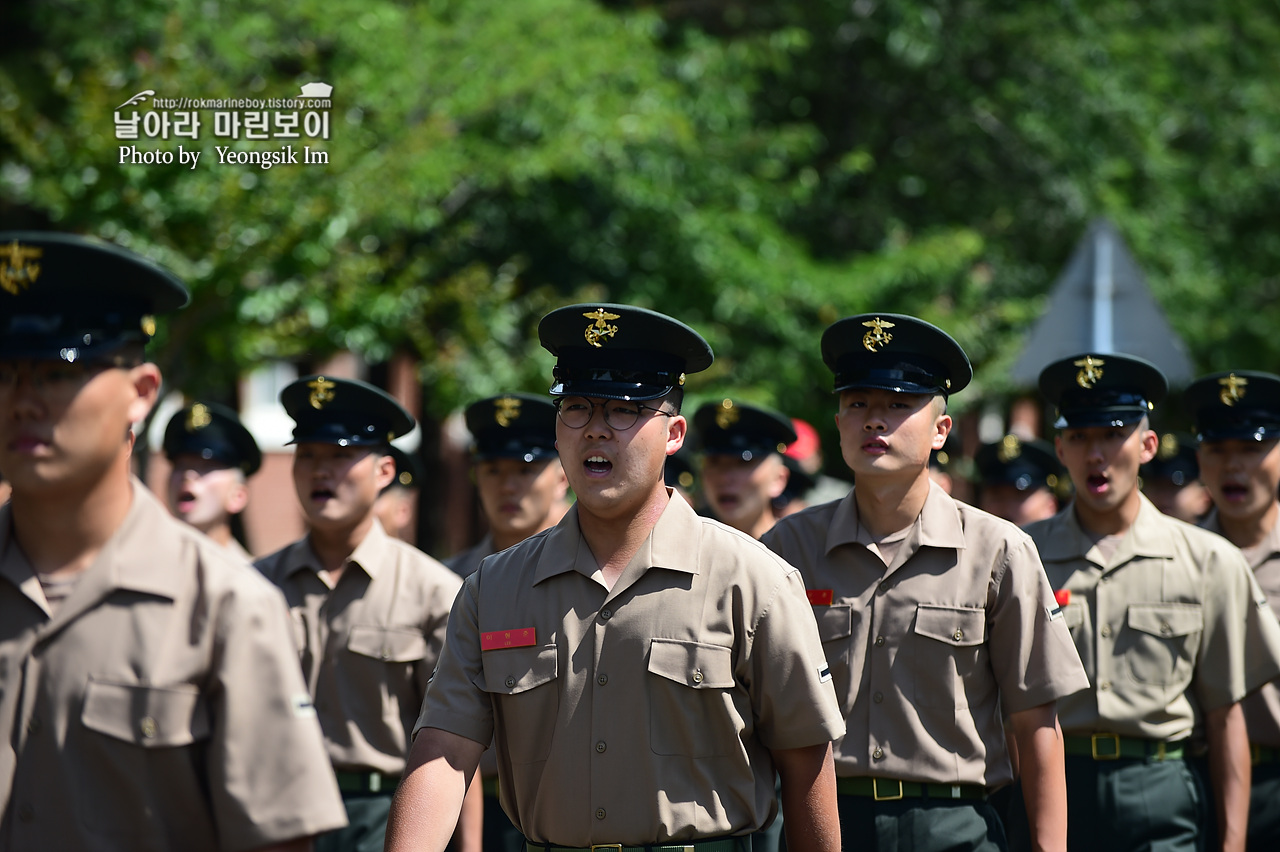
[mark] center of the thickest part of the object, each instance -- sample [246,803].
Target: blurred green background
[757,169]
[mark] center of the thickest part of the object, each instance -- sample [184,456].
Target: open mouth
[321,495]
[1234,492]
[728,501]
[186,501]
[597,465]
[1096,484]
[876,446]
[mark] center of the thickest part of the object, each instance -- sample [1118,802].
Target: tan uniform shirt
[369,644]
[1261,707]
[644,714]
[236,549]
[161,708]
[931,651]
[1171,625]
[464,564]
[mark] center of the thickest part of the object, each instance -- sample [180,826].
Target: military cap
[512,426]
[619,351]
[212,431]
[1023,464]
[71,298]
[345,412]
[746,431]
[1244,404]
[1175,461]
[408,468]
[1092,389]
[894,352]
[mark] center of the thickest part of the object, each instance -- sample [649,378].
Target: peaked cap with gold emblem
[1026,465]
[896,353]
[408,469]
[1243,404]
[1175,461]
[735,429]
[620,352]
[345,412]
[1095,389]
[70,298]
[512,426]
[212,432]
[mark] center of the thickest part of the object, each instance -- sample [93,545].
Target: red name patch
[1062,596]
[521,637]
[820,597]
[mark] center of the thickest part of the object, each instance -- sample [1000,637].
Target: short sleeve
[1240,644]
[262,708]
[1032,655]
[791,690]
[454,702]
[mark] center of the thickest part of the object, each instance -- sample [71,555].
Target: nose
[597,426]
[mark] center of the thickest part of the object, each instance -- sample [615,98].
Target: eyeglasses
[576,412]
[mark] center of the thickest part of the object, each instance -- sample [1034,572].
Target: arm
[1043,774]
[809,798]
[469,835]
[1230,771]
[429,801]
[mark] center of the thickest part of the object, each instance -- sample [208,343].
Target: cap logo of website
[1232,389]
[506,411]
[18,273]
[321,392]
[240,123]
[1090,371]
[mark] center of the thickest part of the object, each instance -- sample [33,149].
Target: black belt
[891,789]
[366,783]
[1114,747]
[720,844]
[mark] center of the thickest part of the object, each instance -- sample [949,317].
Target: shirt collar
[1065,539]
[369,556]
[937,525]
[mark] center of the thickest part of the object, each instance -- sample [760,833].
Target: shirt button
[1105,685]
[878,753]
[1106,578]
[148,727]
[884,586]
[879,641]
[878,697]
[1106,631]
[510,682]
[600,747]
[959,635]
[697,676]
[1164,628]
[599,813]
[26,813]
[606,614]
[602,679]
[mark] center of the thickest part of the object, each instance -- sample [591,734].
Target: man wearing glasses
[643,670]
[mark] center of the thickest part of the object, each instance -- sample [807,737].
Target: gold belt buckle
[875,791]
[603,847]
[1093,745]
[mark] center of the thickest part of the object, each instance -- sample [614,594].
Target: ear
[1057,449]
[385,471]
[677,429]
[145,380]
[780,480]
[562,481]
[237,499]
[1150,445]
[942,428]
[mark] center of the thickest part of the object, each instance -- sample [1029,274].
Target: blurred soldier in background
[369,611]
[742,470]
[1018,480]
[1167,619]
[396,506]
[1237,418]
[212,455]
[1171,480]
[148,696]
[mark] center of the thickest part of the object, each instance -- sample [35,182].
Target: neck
[885,507]
[1109,521]
[502,539]
[1250,531]
[333,546]
[62,532]
[219,532]
[762,524]
[613,541]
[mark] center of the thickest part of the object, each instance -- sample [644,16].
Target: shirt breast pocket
[947,644]
[691,699]
[388,644]
[1159,646]
[522,683]
[836,630]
